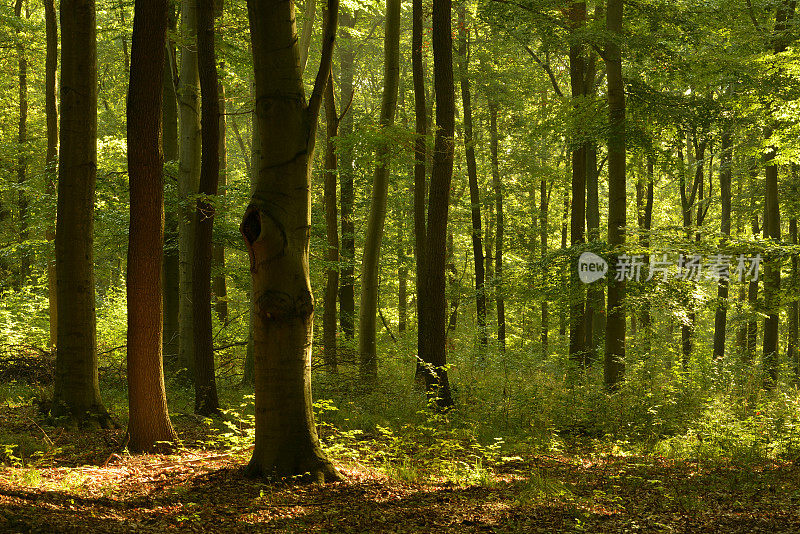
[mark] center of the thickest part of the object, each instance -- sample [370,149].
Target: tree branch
[330,22]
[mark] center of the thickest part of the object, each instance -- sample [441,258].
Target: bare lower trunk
[276,227]
[51,63]
[499,227]
[721,315]
[77,389]
[148,421]
[331,232]
[219,286]
[22,159]
[772,275]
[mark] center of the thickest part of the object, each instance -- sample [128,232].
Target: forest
[537,260]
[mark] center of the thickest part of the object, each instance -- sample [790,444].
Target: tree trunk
[205,387]
[614,365]
[433,302]
[543,241]
[499,227]
[577,70]
[188,179]
[77,389]
[148,421]
[721,315]
[562,318]
[220,288]
[420,185]
[772,276]
[331,232]
[644,240]
[472,173]
[22,158]
[276,228]
[368,306]
[169,146]
[347,303]
[51,110]
[792,353]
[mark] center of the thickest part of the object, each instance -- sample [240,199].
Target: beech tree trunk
[772,275]
[331,232]
[347,302]
[577,70]
[51,112]
[219,286]
[205,387]
[472,173]
[614,365]
[499,226]
[792,353]
[22,158]
[433,302]
[188,179]
[368,306]
[721,315]
[543,231]
[276,227]
[76,388]
[148,421]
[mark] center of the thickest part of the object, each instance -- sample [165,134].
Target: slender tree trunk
[332,233]
[433,302]
[368,306]
[472,173]
[169,146]
[644,240]
[793,315]
[614,367]
[577,69]
[543,242]
[22,158]
[188,178]
[77,388]
[276,227]
[219,286]
[51,111]
[721,316]
[772,275]
[499,227]
[205,387]
[148,422]
[347,303]
[562,319]
[420,181]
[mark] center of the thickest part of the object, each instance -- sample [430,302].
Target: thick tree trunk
[205,387]
[368,306]
[148,421]
[420,181]
[472,173]
[433,302]
[331,232]
[347,303]
[276,227]
[614,365]
[22,158]
[51,111]
[721,315]
[499,226]
[77,389]
[577,70]
[188,179]
[169,146]
[219,286]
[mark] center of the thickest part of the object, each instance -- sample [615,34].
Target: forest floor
[90,486]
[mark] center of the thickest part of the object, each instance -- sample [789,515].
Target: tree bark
[77,389]
[205,387]
[472,173]
[721,315]
[332,233]
[188,179]
[148,421]
[219,286]
[22,158]
[368,306]
[499,226]
[543,231]
[347,303]
[772,275]
[433,302]
[276,227]
[51,111]
[614,365]
[792,353]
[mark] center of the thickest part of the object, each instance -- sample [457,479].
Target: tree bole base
[89,420]
[320,472]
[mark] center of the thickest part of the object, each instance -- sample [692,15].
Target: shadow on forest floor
[205,491]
